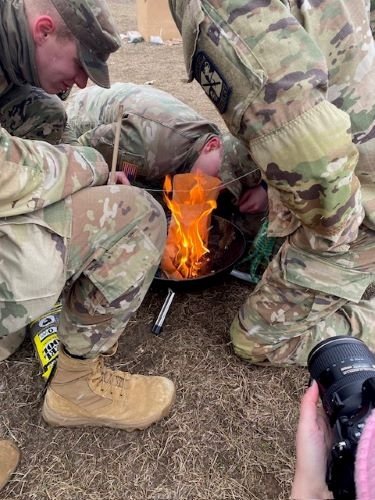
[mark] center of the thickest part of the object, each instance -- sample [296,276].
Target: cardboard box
[154,18]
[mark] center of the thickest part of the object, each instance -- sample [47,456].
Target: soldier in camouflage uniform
[293,80]
[160,135]
[64,232]
[27,110]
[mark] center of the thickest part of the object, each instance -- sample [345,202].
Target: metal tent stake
[158,325]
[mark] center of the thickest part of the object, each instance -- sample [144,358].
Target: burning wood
[191,199]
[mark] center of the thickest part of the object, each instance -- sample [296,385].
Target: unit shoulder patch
[212,81]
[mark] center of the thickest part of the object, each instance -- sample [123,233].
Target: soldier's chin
[51,89]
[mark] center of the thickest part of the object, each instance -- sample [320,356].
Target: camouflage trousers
[30,113]
[118,235]
[292,309]
[117,240]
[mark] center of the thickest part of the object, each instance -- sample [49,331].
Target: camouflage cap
[237,163]
[93,27]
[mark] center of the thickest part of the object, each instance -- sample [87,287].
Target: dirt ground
[231,432]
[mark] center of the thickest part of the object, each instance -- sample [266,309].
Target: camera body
[344,369]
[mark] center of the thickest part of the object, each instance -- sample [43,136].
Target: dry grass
[231,432]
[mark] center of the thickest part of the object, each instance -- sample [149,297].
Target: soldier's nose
[81,79]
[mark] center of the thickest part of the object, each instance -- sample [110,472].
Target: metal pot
[226,244]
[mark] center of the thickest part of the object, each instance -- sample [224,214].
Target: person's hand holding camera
[313,445]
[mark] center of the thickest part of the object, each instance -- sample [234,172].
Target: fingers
[247,207]
[121,178]
[310,401]
[312,392]
[254,200]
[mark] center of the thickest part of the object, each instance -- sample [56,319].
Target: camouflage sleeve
[35,174]
[69,136]
[269,80]
[238,170]
[102,138]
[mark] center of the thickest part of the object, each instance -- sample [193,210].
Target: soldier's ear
[41,28]
[212,144]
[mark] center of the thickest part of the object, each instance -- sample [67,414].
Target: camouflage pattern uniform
[159,134]
[63,232]
[293,80]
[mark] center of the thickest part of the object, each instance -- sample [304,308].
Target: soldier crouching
[265,66]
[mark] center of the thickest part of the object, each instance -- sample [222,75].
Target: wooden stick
[112,175]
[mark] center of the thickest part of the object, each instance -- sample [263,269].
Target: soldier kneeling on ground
[63,231]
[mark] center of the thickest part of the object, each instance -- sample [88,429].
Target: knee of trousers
[277,352]
[129,253]
[261,345]
[243,345]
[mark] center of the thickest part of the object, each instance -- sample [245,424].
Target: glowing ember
[191,199]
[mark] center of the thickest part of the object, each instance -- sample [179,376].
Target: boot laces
[113,378]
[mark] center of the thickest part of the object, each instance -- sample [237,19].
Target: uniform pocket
[332,275]
[124,268]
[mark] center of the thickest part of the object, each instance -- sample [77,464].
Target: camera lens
[340,365]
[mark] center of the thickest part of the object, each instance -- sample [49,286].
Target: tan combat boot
[9,459]
[10,343]
[85,392]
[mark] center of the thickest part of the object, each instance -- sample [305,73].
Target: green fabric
[260,253]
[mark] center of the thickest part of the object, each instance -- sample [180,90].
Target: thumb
[309,401]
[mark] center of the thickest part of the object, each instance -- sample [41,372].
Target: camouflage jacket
[36,180]
[159,134]
[293,79]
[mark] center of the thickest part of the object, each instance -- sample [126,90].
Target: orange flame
[193,199]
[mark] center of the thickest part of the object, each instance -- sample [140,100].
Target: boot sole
[55,419]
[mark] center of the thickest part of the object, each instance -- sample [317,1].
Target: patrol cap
[93,27]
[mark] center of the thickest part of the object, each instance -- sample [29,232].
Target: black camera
[344,369]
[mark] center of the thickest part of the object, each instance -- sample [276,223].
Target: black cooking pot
[227,245]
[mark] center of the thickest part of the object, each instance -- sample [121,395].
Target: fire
[191,199]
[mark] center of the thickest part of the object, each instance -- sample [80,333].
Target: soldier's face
[58,64]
